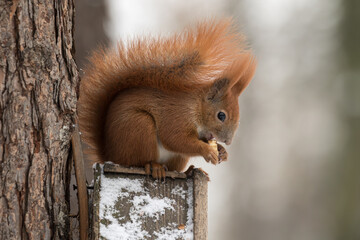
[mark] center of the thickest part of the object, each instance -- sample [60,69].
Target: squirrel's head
[220,107]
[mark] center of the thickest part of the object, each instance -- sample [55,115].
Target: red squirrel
[158,101]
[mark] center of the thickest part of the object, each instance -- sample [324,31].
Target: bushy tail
[183,62]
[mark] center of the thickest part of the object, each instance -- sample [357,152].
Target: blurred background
[294,166]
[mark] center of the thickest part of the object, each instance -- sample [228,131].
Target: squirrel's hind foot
[190,170]
[156,170]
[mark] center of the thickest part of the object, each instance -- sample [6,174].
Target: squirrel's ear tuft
[245,71]
[217,89]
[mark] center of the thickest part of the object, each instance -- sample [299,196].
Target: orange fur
[163,90]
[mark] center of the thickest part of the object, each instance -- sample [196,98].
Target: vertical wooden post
[81,183]
[96,200]
[200,205]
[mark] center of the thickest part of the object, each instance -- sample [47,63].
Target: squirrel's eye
[221,116]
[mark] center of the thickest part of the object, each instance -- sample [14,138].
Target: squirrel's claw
[147,169]
[223,155]
[156,170]
[206,174]
[189,172]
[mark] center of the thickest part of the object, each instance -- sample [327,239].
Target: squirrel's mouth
[206,136]
[210,136]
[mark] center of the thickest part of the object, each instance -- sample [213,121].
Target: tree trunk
[38,93]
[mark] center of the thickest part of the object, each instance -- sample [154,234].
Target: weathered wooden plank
[200,205]
[96,201]
[114,168]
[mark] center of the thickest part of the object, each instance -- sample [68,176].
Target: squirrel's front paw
[211,155]
[223,155]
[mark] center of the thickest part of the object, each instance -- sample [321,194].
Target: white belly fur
[164,155]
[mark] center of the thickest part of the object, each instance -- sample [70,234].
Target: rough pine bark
[38,93]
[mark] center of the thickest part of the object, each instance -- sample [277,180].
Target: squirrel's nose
[228,141]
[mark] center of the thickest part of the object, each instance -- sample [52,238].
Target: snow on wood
[130,205]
